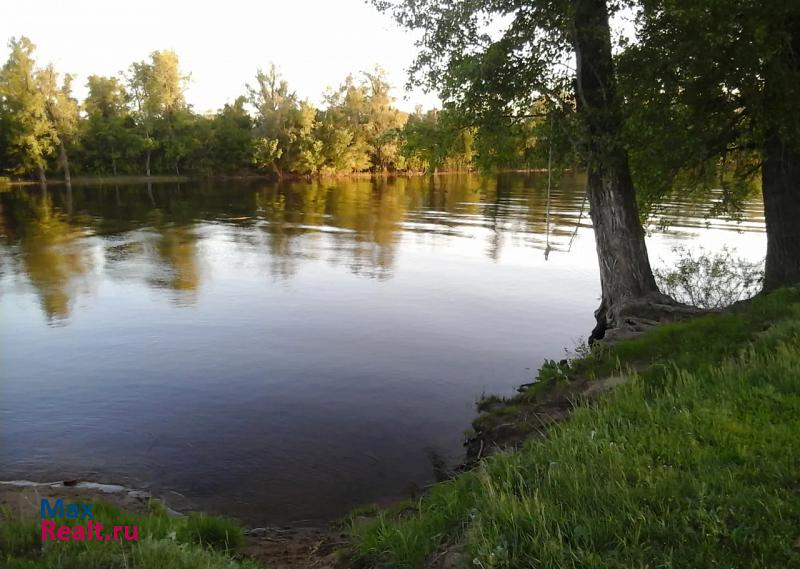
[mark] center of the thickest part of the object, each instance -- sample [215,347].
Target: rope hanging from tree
[549,185]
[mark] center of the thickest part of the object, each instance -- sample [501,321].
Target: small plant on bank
[710,280]
[213,532]
[17,538]
[164,542]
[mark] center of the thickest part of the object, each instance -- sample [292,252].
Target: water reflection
[45,244]
[288,351]
[156,233]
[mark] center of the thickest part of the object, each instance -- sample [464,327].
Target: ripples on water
[286,352]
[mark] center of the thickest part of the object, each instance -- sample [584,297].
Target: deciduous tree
[717,85]
[495,59]
[30,136]
[61,110]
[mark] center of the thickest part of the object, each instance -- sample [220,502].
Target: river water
[285,352]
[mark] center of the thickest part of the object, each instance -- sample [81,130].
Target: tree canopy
[139,123]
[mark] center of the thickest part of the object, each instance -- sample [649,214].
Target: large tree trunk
[41,175]
[65,164]
[628,286]
[780,172]
[147,163]
[780,175]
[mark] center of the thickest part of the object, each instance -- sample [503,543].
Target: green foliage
[140,123]
[29,136]
[363,125]
[704,86]
[109,139]
[164,542]
[688,464]
[277,114]
[213,532]
[60,107]
[267,153]
[499,67]
[436,140]
[231,144]
[20,538]
[710,280]
[160,113]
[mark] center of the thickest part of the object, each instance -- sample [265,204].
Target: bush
[214,532]
[710,280]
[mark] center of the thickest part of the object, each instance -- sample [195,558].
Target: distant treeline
[139,123]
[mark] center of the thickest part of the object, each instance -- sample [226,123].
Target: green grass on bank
[165,542]
[694,462]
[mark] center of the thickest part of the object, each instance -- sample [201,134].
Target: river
[285,352]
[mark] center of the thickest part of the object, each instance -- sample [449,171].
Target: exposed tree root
[633,317]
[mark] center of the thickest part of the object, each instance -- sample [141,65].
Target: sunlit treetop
[492,57]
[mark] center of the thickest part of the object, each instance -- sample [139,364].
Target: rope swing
[549,185]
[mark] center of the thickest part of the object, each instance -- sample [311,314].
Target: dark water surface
[286,352]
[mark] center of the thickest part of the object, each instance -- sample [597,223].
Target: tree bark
[41,175]
[626,278]
[65,164]
[147,163]
[780,171]
[780,176]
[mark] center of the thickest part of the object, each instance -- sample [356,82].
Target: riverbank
[678,448]
[690,461]
[167,539]
[111,180]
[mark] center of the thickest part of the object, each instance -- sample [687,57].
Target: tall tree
[231,141]
[305,151]
[61,109]
[781,149]
[31,136]
[488,74]
[729,97]
[383,122]
[276,111]
[157,88]
[108,133]
[361,113]
[435,140]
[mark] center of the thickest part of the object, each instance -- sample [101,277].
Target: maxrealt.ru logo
[89,531]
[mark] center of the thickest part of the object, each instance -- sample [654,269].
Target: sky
[315,43]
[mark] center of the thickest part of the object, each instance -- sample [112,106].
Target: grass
[693,462]
[165,542]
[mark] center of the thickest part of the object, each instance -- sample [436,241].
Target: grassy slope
[694,462]
[165,542]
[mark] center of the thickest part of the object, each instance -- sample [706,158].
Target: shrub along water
[692,462]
